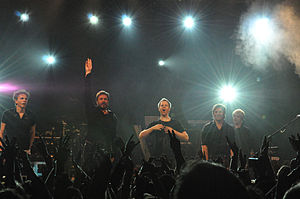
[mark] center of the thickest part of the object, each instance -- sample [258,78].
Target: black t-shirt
[19,127]
[158,142]
[244,140]
[102,127]
[215,139]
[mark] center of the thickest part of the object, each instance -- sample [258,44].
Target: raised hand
[147,168]
[9,149]
[63,151]
[165,163]
[265,147]
[9,154]
[174,142]
[129,146]
[25,158]
[295,142]
[88,66]
[41,146]
[158,127]
[168,129]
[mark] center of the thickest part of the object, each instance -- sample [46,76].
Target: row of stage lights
[261,29]
[126,20]
[188,23]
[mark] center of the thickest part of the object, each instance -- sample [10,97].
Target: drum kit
[52,136]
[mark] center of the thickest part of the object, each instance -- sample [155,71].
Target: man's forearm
[183,136]
[144,133]
[205,151]
[32,136]
[2,131]
[88,102]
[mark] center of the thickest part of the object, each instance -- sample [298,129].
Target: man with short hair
[214,133]
[243,137]
[102,122]
[156,132]
[19,122]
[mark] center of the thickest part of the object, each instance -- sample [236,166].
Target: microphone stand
[283,128]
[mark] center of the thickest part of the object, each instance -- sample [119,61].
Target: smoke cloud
[284,43]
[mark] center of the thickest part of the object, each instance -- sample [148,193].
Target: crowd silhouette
[121,178]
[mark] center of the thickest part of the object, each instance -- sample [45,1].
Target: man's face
[237,118]
[218,114]
[21,100]
[164,108]
[102,101]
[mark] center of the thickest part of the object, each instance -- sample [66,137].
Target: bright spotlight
[228,94]
[93,19]
[188,22]
[262,30]
[49,59]
[161,62]
[126,20]
[24,17]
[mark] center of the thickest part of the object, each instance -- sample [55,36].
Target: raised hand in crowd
[9,149]
[176,147]
[287,176]
[43,150]
[264,170]
[62,153]
[129,146]
[264,149]
[174,142]
[165,165]
[9,161]
[295,142]
[101,175]
[39,189]
[148,180]
[122,174]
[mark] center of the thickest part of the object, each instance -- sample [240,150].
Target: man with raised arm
[19,122]
[102,122]
[157,131]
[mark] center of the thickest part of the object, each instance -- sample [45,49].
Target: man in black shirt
[19,122]
[243,137]
[102,122]
[214,142]
[156,132]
